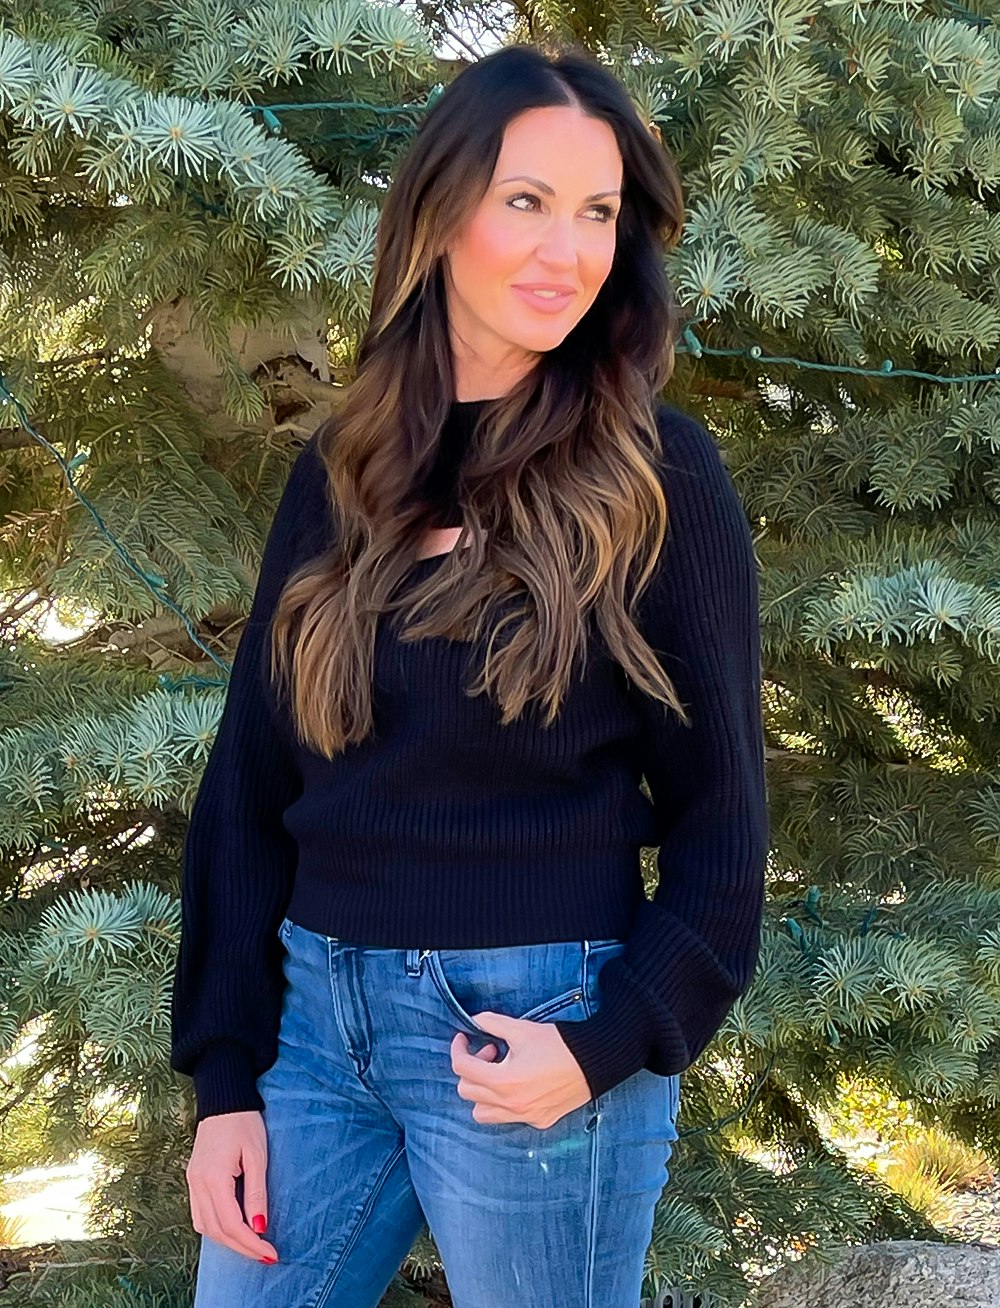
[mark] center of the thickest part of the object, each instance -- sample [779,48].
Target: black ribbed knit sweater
[446,830]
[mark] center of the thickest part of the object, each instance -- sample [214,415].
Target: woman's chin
[542,338]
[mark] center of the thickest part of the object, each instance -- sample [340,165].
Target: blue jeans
[368,1139]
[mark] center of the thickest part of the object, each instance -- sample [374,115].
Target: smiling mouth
[540,300]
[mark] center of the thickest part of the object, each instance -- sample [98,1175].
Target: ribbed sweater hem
[421,906]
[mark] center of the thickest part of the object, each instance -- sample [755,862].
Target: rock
[892,1274]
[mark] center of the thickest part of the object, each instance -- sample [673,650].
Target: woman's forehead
[563,148]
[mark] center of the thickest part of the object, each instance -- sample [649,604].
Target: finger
[500,1024]
[492,1116]
[481,1095]
[488,1052]
[476,1069]
[254,1161]
[460,1044]
[233,1232]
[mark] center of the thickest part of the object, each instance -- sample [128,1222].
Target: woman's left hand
[538,1082]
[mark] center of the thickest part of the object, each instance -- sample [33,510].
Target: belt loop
[415,961]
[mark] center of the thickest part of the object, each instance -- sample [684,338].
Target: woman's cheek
[490,237]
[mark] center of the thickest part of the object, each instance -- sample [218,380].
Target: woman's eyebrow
[548,189]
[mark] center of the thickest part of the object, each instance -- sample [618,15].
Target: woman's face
[556,228]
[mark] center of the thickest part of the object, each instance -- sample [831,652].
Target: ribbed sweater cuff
[611,1045]
[225,1080]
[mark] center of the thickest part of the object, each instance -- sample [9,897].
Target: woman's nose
[558,246]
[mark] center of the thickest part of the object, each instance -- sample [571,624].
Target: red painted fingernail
[259,1223]
[268,1260]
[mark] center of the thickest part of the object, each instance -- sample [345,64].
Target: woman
[419,979]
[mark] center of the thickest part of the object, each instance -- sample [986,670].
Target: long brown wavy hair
[558,491]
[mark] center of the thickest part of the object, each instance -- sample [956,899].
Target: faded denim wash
[368,1139]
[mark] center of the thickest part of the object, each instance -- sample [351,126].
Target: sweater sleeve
[692,950]
[238,860]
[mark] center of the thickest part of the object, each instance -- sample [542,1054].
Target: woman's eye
[604,210]
[523,196]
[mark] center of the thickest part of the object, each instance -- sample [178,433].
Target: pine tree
[184,279]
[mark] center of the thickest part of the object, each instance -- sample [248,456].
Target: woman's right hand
[224,1146]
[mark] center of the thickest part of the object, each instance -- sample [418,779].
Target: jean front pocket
[534,983]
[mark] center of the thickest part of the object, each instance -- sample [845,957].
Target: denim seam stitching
[552,1005]
[588,1008]
[338,1016]
[592,1223]
[334,1275]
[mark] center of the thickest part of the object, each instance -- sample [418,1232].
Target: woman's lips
[544,304]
